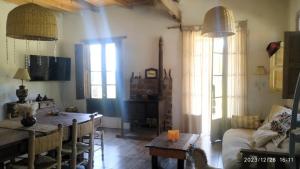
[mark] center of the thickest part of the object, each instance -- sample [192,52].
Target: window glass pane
[95,57]
[111,78]
[96,78]
[217,64]
[218,45]
[217,86]
[96,91]
[110,56]
[111,91]
[217,108]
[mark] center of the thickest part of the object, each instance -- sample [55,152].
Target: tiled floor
[122,153]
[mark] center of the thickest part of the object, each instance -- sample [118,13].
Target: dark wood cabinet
[291,63]
[144,114]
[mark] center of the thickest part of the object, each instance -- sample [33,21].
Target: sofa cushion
[262,137]
[233,141]
[247,122]
[274,111]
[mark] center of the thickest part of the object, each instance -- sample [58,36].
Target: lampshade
[22,74]
[218,22]
[31,22]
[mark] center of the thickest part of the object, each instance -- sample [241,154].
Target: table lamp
[22,93]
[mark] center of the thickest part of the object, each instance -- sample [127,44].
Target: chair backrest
[78,131]
[41,144]
[82,129]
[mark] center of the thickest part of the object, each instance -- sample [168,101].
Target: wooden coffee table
[160,146]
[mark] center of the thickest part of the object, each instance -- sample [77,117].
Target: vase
[28,121]
[22,94]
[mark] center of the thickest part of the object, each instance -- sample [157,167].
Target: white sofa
[236,139]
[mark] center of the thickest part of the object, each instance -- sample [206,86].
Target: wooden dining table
[14,137]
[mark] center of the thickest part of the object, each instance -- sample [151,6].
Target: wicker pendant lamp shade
[31,22]
[218,22]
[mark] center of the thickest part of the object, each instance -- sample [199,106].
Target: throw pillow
[281,122]
[262,137]
[248,122]
[276,109]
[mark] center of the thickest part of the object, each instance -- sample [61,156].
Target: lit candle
[173,135]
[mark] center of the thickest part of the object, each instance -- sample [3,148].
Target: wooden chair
[99,132]
[75,148]
[38,145]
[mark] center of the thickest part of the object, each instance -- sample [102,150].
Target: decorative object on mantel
[28,112]
[218,22]
[31,22]
[273,47]
[151,73]
[22,93]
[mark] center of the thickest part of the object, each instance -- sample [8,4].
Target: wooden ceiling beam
[75,5]
[69,6]
[103,2]
[85,4]
[172,9]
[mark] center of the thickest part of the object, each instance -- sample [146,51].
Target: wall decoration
[151,73]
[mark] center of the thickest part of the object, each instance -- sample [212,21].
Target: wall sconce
[260,82]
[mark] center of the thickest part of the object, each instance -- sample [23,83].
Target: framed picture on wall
[151,73]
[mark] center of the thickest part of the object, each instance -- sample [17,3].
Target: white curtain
[237,72]
[196,83]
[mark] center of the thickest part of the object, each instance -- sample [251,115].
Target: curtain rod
[193,27]
[103,39]
[185,27]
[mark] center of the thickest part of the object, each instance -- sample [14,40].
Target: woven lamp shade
[218,22]
[31,22]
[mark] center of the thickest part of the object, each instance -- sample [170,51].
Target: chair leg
[73,161]
[91,152]
[102,144]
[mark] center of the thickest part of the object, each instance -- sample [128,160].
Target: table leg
[154,162]
[180,164]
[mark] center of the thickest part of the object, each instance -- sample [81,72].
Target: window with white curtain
[103,70]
